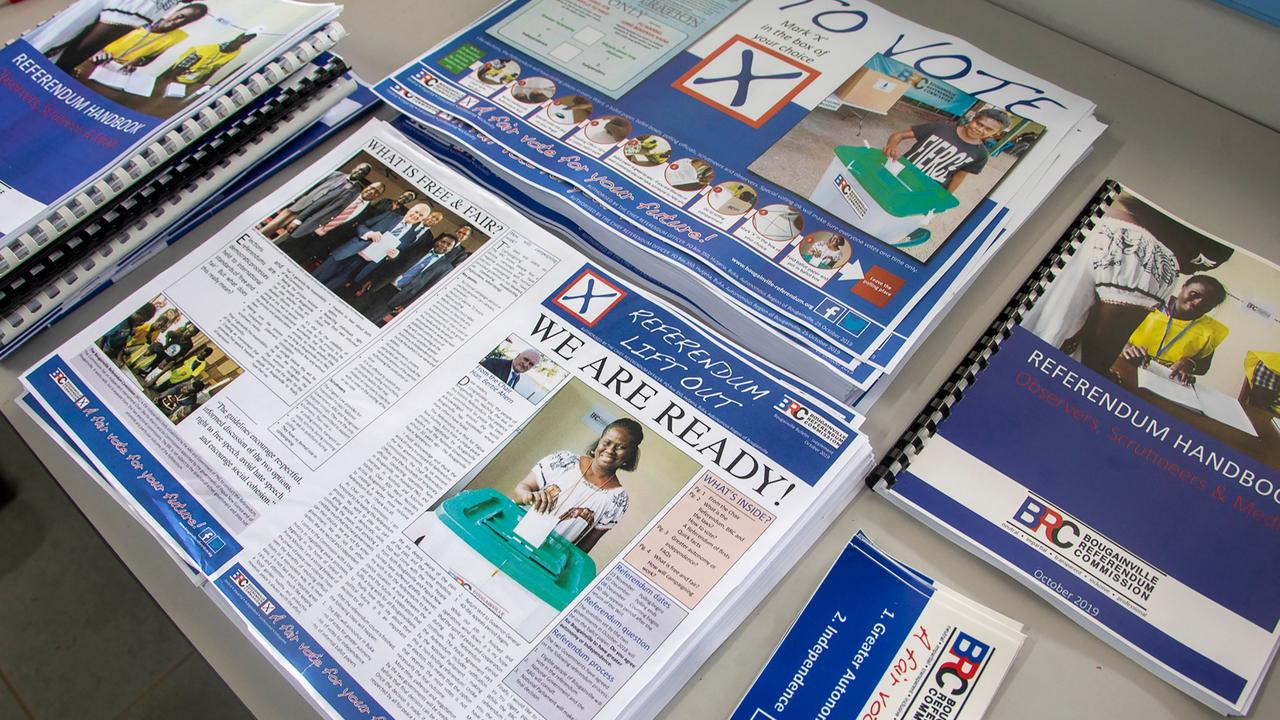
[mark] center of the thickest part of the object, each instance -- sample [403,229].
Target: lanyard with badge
[1163,346]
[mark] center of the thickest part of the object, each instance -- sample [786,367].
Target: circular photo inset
[778,222]
[733,198]
[569,110]
[534,90]
[825,250]
[689,174]
[647,150]
[498,72]
[608,130]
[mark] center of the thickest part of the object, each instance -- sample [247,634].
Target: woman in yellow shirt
[147,333]
[1180,335]
[202,61]
[142,45]
[192,367]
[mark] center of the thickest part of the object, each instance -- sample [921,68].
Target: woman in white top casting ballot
[584,490]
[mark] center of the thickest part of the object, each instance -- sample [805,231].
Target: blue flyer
[828,170]
[877,639]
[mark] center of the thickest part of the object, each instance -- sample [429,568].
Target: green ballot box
[887,199]
[473,535]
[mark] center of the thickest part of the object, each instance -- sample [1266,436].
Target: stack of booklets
[879,639]
[436,462]
[1112,443]
[121,117]
[818,181]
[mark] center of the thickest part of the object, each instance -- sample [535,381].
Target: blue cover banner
[840,634]
[713,380]
[286,634]
[105,437]
[55,132]
[1145,480]
[84,91]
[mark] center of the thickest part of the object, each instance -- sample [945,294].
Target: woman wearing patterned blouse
[584,490]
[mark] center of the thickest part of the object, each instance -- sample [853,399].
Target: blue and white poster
[827,169]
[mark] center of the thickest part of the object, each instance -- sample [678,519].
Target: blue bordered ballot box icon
[589,297]
[746,80]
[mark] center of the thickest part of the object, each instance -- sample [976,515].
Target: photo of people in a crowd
[372,238]
[905,158]
[535,525]
[172,363]
[523,368]
[155,56]
[1184,320]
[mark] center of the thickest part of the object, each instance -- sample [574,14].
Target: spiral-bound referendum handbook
[95,98]
[1113,442]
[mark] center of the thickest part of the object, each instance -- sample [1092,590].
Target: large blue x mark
[587,296]
[745,78]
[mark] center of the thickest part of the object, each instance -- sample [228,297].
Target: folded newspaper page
[439,463]
[823,165]
[94,83]
[549,201]
[878,639]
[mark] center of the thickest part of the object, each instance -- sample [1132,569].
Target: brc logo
[969,655]
[1036,516]
[246,586]
[792,407]
[426,79]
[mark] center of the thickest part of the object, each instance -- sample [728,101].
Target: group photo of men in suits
[371,237]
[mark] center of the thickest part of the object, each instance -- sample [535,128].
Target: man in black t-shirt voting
[948,152]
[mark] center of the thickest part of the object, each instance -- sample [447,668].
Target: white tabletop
[1212,167]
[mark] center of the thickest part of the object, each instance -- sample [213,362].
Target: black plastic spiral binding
[155,189]
[939,407]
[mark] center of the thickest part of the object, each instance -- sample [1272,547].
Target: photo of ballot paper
[608,130]
[534,527]
[689,174]
[778,222]
[114,76]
